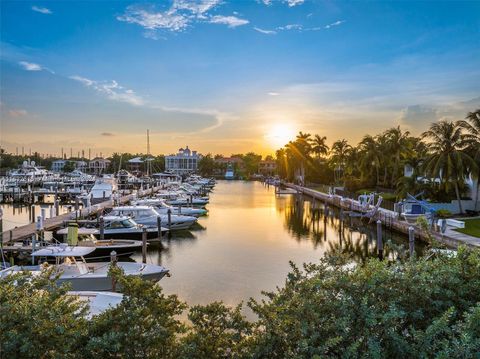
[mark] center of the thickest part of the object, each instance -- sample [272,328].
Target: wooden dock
[49,224]
[450,238]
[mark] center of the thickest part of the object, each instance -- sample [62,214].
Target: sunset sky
[230,76]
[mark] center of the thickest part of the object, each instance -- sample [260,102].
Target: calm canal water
[245,243]
[247,240]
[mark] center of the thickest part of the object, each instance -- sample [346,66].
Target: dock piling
[144,245]
[379,240]
[411,241]
[102,228]
[169,213]
[159,226]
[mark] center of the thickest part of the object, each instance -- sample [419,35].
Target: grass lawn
[472,227]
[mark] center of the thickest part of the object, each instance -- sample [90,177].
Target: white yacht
[85,237]
[126,227]
[71,267]
[162,208]
[103,190]
[147,216]
[186,201]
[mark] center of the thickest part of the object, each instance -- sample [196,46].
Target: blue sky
[230,76]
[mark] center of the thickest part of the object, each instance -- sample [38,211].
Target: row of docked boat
[80,259]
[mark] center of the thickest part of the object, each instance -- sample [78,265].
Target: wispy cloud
[30,66]
[198,8]
[168,20]
[112,90]
[273,93]
[291,27]
[230,21]
[42,10]
[17,112]
[266,32]
[107,134]
[336,23]
[176,18]
[293,3]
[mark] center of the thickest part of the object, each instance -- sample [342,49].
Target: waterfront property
[184,162]
[98,165]
[59,165]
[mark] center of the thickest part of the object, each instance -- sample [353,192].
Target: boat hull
[104,283]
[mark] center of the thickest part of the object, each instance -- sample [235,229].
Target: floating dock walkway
[27,231]
[450,238]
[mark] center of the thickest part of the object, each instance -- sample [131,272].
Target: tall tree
[446,159]
[319,146]
[472,126]
[339,153]
[397,147]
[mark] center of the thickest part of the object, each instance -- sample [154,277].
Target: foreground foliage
[423,308]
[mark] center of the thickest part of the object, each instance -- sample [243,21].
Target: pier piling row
[386,216]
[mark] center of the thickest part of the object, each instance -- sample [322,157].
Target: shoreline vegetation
[440,161]
[412,307]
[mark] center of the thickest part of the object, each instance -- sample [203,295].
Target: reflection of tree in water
[295,220]
[307,220]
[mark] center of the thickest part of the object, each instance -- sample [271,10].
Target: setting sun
[280,134]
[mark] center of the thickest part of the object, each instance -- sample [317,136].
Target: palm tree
[371,156]
[319,146]
[299,151]
[472,126]
[397,146]
[339,153]
[446,159]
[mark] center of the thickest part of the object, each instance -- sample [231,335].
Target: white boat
[163,208]
[147,216]
[85,237]
[126,227]
[71,267]
[229,173]
[186,201]
[103,190]
[97,302]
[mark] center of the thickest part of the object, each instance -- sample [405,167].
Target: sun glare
[280,134]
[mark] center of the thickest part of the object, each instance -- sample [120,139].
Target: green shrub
[421,308]
[444,213]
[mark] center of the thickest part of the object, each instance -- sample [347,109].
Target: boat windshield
[127,223]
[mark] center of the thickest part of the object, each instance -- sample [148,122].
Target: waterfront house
[98,165]
[183,162]
[135,165]
[267,167]
[59,165]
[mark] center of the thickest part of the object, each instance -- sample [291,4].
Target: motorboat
[229,173]
[85,237]
[186,201]
[103,190]
[148,216]
[70,267]
[97,302]
[126,227]
[163,208]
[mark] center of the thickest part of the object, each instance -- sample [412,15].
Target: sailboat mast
[148,152]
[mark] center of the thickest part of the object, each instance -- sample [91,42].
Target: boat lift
[423,204]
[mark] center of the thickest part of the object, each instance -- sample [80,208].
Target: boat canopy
[63,251]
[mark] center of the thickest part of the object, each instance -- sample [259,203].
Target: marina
[219,179]
[245,242]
